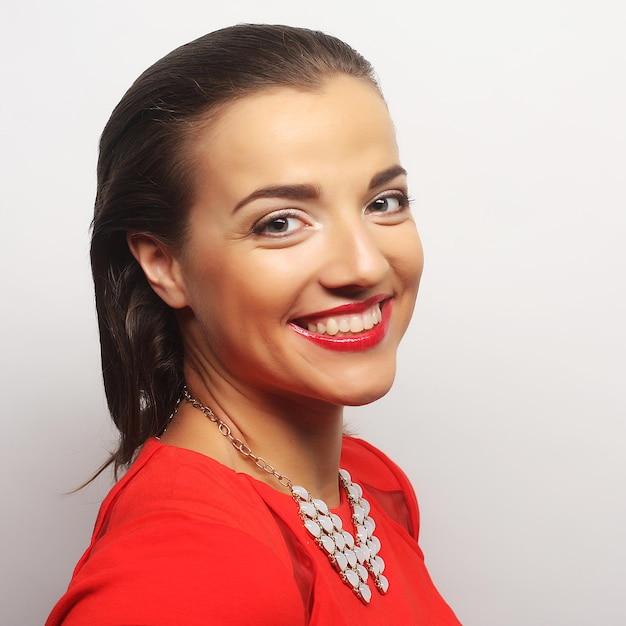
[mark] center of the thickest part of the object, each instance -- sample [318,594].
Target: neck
[299,438]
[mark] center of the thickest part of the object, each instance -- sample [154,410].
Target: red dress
[184,540]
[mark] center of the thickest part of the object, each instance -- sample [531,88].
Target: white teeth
[368,321]
[356,324]
[350,324]
[332,328]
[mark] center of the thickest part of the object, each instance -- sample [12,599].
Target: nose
[354,258]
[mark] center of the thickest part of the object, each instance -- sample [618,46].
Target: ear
[161,268]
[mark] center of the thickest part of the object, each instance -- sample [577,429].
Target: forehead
[288,134]
[277,101]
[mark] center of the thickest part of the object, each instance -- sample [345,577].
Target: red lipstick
[353,342]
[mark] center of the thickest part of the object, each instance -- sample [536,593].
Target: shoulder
[384,480]
[168,479]
[166,484]
[178,538]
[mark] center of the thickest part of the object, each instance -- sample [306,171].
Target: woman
[255,264]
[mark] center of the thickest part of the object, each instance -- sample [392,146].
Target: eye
[391,203]
[279,225]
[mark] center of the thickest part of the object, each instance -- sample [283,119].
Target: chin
[364,402]
[355,393]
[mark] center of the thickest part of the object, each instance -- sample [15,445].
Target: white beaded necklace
[353,557]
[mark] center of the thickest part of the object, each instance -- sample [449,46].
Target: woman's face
[299,241]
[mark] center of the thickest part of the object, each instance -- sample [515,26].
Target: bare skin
[300,208]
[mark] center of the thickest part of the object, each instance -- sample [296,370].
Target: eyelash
[404,203]
[261,225]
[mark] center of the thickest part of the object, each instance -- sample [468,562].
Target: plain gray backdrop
[508,413]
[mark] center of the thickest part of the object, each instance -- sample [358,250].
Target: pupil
[279,224]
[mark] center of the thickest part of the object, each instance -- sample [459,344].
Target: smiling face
[302,261]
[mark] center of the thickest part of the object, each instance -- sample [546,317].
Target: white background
[509,411]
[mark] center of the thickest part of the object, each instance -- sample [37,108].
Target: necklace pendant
[382,584]
[354,558]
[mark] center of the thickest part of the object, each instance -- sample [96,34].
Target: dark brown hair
[145,184]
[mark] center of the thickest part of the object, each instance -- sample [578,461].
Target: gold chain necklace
[354,558]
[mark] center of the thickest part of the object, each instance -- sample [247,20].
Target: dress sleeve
[170,569]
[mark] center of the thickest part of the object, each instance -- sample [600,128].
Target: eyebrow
[386,176]
[293,192]
[311,192]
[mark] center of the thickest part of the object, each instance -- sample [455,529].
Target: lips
[351,327]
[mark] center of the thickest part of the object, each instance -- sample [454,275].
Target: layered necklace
[354,557]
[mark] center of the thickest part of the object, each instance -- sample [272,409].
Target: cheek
[406,257]
[418,259]
[243,292]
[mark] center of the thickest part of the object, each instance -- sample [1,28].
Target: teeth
[368,321]
[356,324]
[332,327]
[349,324]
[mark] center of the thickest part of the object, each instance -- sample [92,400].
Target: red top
[182,539]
